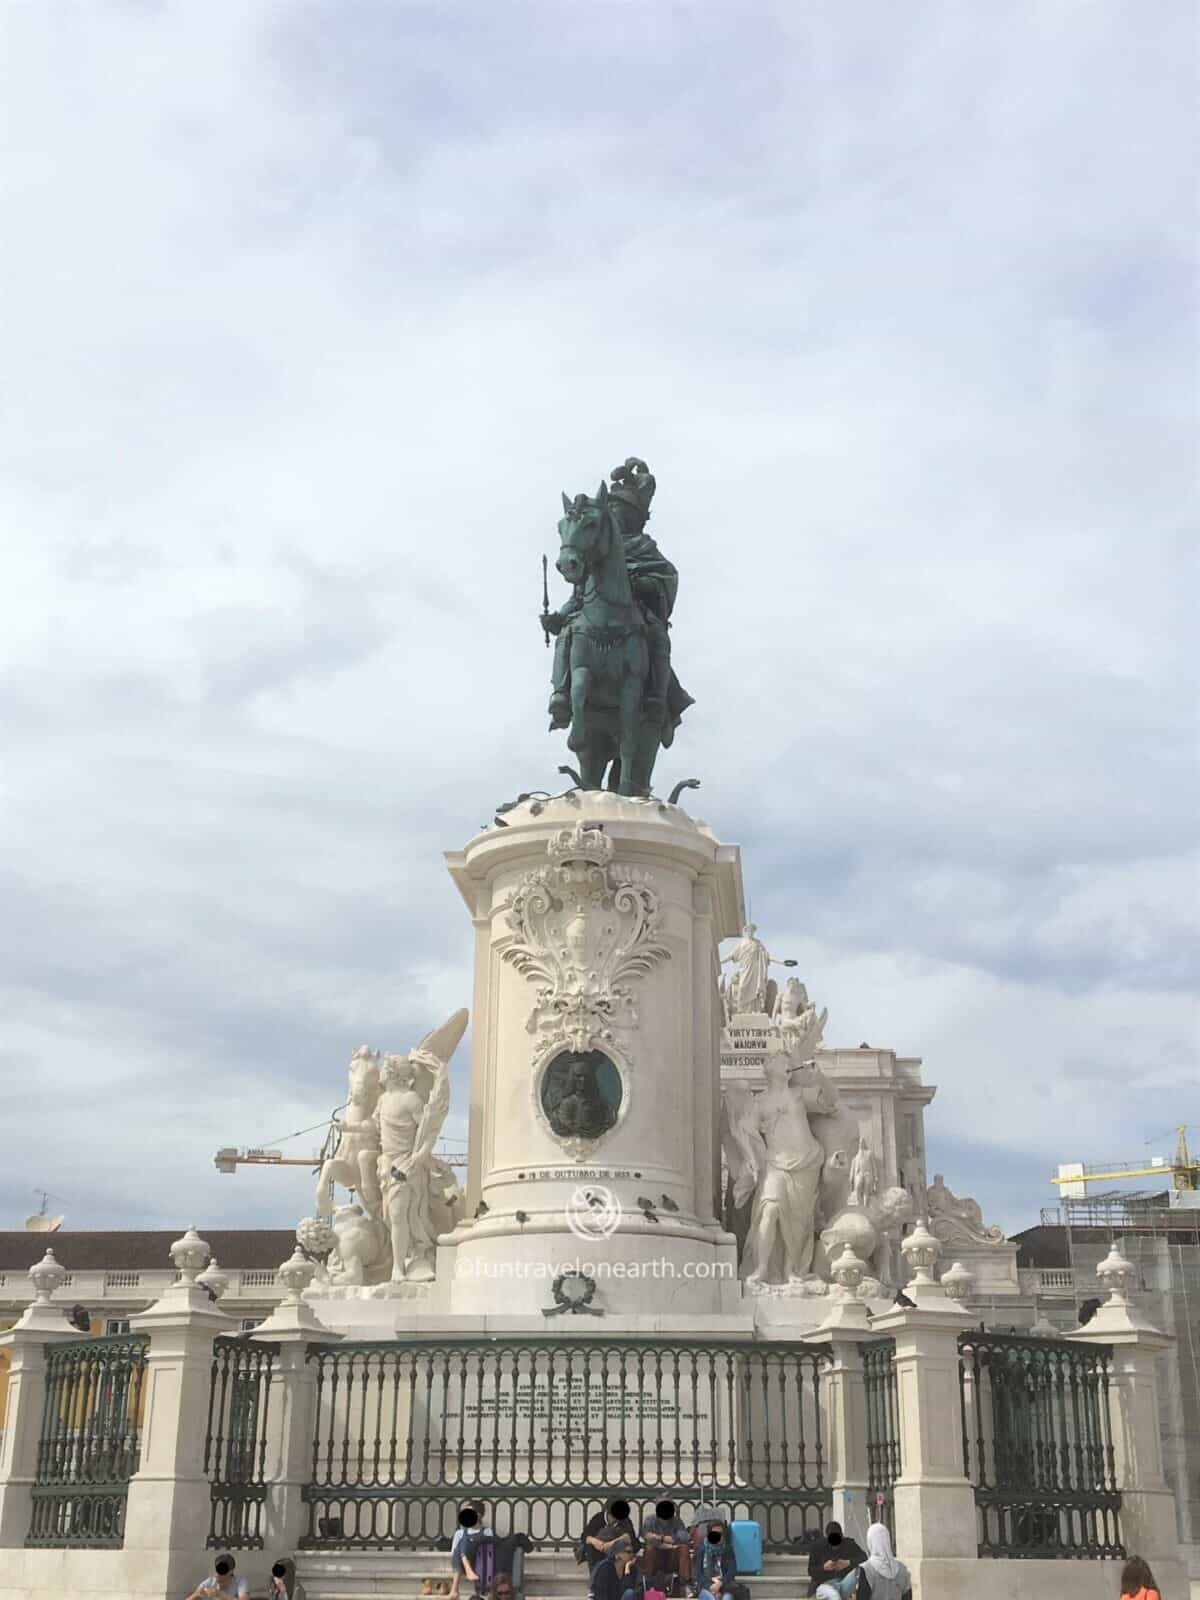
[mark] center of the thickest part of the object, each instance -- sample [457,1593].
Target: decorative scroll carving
[584,928]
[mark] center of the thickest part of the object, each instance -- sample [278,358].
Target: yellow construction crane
[1073,1177]
[229,1157]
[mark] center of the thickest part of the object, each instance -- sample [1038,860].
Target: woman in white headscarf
[881,1576]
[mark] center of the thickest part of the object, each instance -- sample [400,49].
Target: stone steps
[549,1575]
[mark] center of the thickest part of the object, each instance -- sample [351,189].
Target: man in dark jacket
[615,1577]
[606,1532]
[832,1557]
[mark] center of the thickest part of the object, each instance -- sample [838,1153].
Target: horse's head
[586,533]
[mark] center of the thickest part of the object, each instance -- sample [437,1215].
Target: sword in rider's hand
[545,601]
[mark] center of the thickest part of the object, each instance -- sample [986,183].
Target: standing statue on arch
[612,682]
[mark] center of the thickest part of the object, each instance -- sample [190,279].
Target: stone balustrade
[892,1435]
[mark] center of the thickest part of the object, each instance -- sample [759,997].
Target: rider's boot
[654,706]
[560,698]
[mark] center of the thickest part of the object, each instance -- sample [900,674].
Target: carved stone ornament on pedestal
[582,929]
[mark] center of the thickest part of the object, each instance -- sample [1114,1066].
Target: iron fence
[90,1442]
[544,1430]
[883,1427]
[235,1442]
[1037,1443]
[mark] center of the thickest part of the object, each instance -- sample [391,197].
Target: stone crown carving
[582,928]
[580,843]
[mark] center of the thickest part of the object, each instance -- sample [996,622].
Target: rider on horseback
[655,583]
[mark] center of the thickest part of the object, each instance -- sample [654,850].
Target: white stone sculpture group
[406,1194]
[788,1151]
[795,1156]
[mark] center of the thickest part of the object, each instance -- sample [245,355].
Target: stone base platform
[549,1575]
[553,1575]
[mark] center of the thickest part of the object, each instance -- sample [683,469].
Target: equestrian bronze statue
[613,685]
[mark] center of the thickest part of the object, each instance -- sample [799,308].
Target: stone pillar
[597,921]
[845,1328]
[1149,1525]
[167,1512]
[293,1327]
[936,1533]
[41,1324]
[846,1422]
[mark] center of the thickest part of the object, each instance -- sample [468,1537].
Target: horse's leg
[614,776]
[581,679]
[630,730]
[592,761]
[324,1206]
[648,746]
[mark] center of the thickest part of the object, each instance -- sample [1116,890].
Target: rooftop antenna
[39,1222]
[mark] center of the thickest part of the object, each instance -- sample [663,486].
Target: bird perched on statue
[1088,1310]
[903,1301]
[648,1210]
[481,1210]
[668,1203]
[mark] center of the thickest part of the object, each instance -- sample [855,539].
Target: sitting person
[604,1533]
[224,1581]
[615,1576]
[467,1545]
[667,1548]
[1137,1581]
[716,1568]
[833,1556]
[880,1577]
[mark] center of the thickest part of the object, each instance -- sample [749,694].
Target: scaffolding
[1163,1242]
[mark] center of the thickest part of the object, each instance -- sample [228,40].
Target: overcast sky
[309,313]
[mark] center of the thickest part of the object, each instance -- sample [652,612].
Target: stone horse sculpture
[613,680]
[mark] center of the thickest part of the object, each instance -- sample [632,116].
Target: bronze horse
[609,653]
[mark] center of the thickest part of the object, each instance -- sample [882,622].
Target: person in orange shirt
[1137,1581]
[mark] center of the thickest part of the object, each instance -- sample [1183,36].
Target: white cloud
[310,319]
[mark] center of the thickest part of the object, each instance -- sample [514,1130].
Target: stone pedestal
[935,1504]
[595,1060]
[167,1512]
[1148,1514]
[293,1327]
[846,1419]
[25,1343]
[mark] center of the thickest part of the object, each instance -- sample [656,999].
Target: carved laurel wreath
[574,1301]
